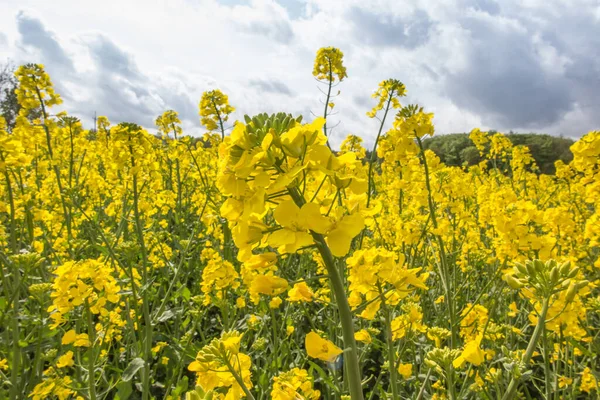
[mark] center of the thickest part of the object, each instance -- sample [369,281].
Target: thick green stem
[147,349]
[237,377]
[16,350]
[374,151]
[390,346]
[512,387]
[11,202]
[337,285]
[55,168]
[327,101]
[449,292]
[91,358]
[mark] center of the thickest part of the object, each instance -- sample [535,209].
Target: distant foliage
[457,149]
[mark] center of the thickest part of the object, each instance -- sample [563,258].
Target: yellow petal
[310,215]
[69,337]
[286,213]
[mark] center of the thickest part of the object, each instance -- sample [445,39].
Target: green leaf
[326,378]
[182,386]
[133,367]
[166,315]
[123,390]
[186,294]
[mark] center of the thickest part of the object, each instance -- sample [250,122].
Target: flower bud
[539,265]
[571,292]
[565,268]
[530,270]
[573,272]
[513,282]
[554,275]
[521,268]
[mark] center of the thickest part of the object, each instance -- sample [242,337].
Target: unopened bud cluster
[546,278]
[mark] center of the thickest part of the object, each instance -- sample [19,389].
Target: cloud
[264,17]
[505,79]
[34,34]
[382,29]
[109,57]
[271,86]
[488,63]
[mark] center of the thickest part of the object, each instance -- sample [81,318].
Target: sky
[520,65]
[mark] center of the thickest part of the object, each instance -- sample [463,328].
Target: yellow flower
[4,364]
[158,347]
[405,370]
[240,302]
[588,381]
[214,109]
[295,223]
[320,348]
[340,237]
[275,302]
[66,360]
[269,285]
[471,353]
[363,336]
[300,292]
[78,340]
[289,330]
[564,381]
[328,65]
[513,309]
[293,385]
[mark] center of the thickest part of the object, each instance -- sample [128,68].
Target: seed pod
[580,285]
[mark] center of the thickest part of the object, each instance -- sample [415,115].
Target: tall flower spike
[215,110]
[329,65]
[35,89]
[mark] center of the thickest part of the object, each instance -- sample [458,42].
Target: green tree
[9,106]
[456,149]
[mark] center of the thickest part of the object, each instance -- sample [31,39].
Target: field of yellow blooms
[258,263]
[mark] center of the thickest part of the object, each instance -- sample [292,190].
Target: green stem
[390,346]
[351,350]
[91,367]
[237,377]
[374,152]
[449,292]
[512,387]
[327,101]
[147,349]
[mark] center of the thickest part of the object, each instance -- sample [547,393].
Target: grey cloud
[124,93]
[109,57]
[271,86]
[268,19]
[505,82]
[383,30]
[363,101]
[34,34]
[489,6]
[278,30]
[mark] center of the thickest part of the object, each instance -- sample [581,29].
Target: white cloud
[488,63]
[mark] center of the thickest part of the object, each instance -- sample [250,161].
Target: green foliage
[9,106]
[457,149]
